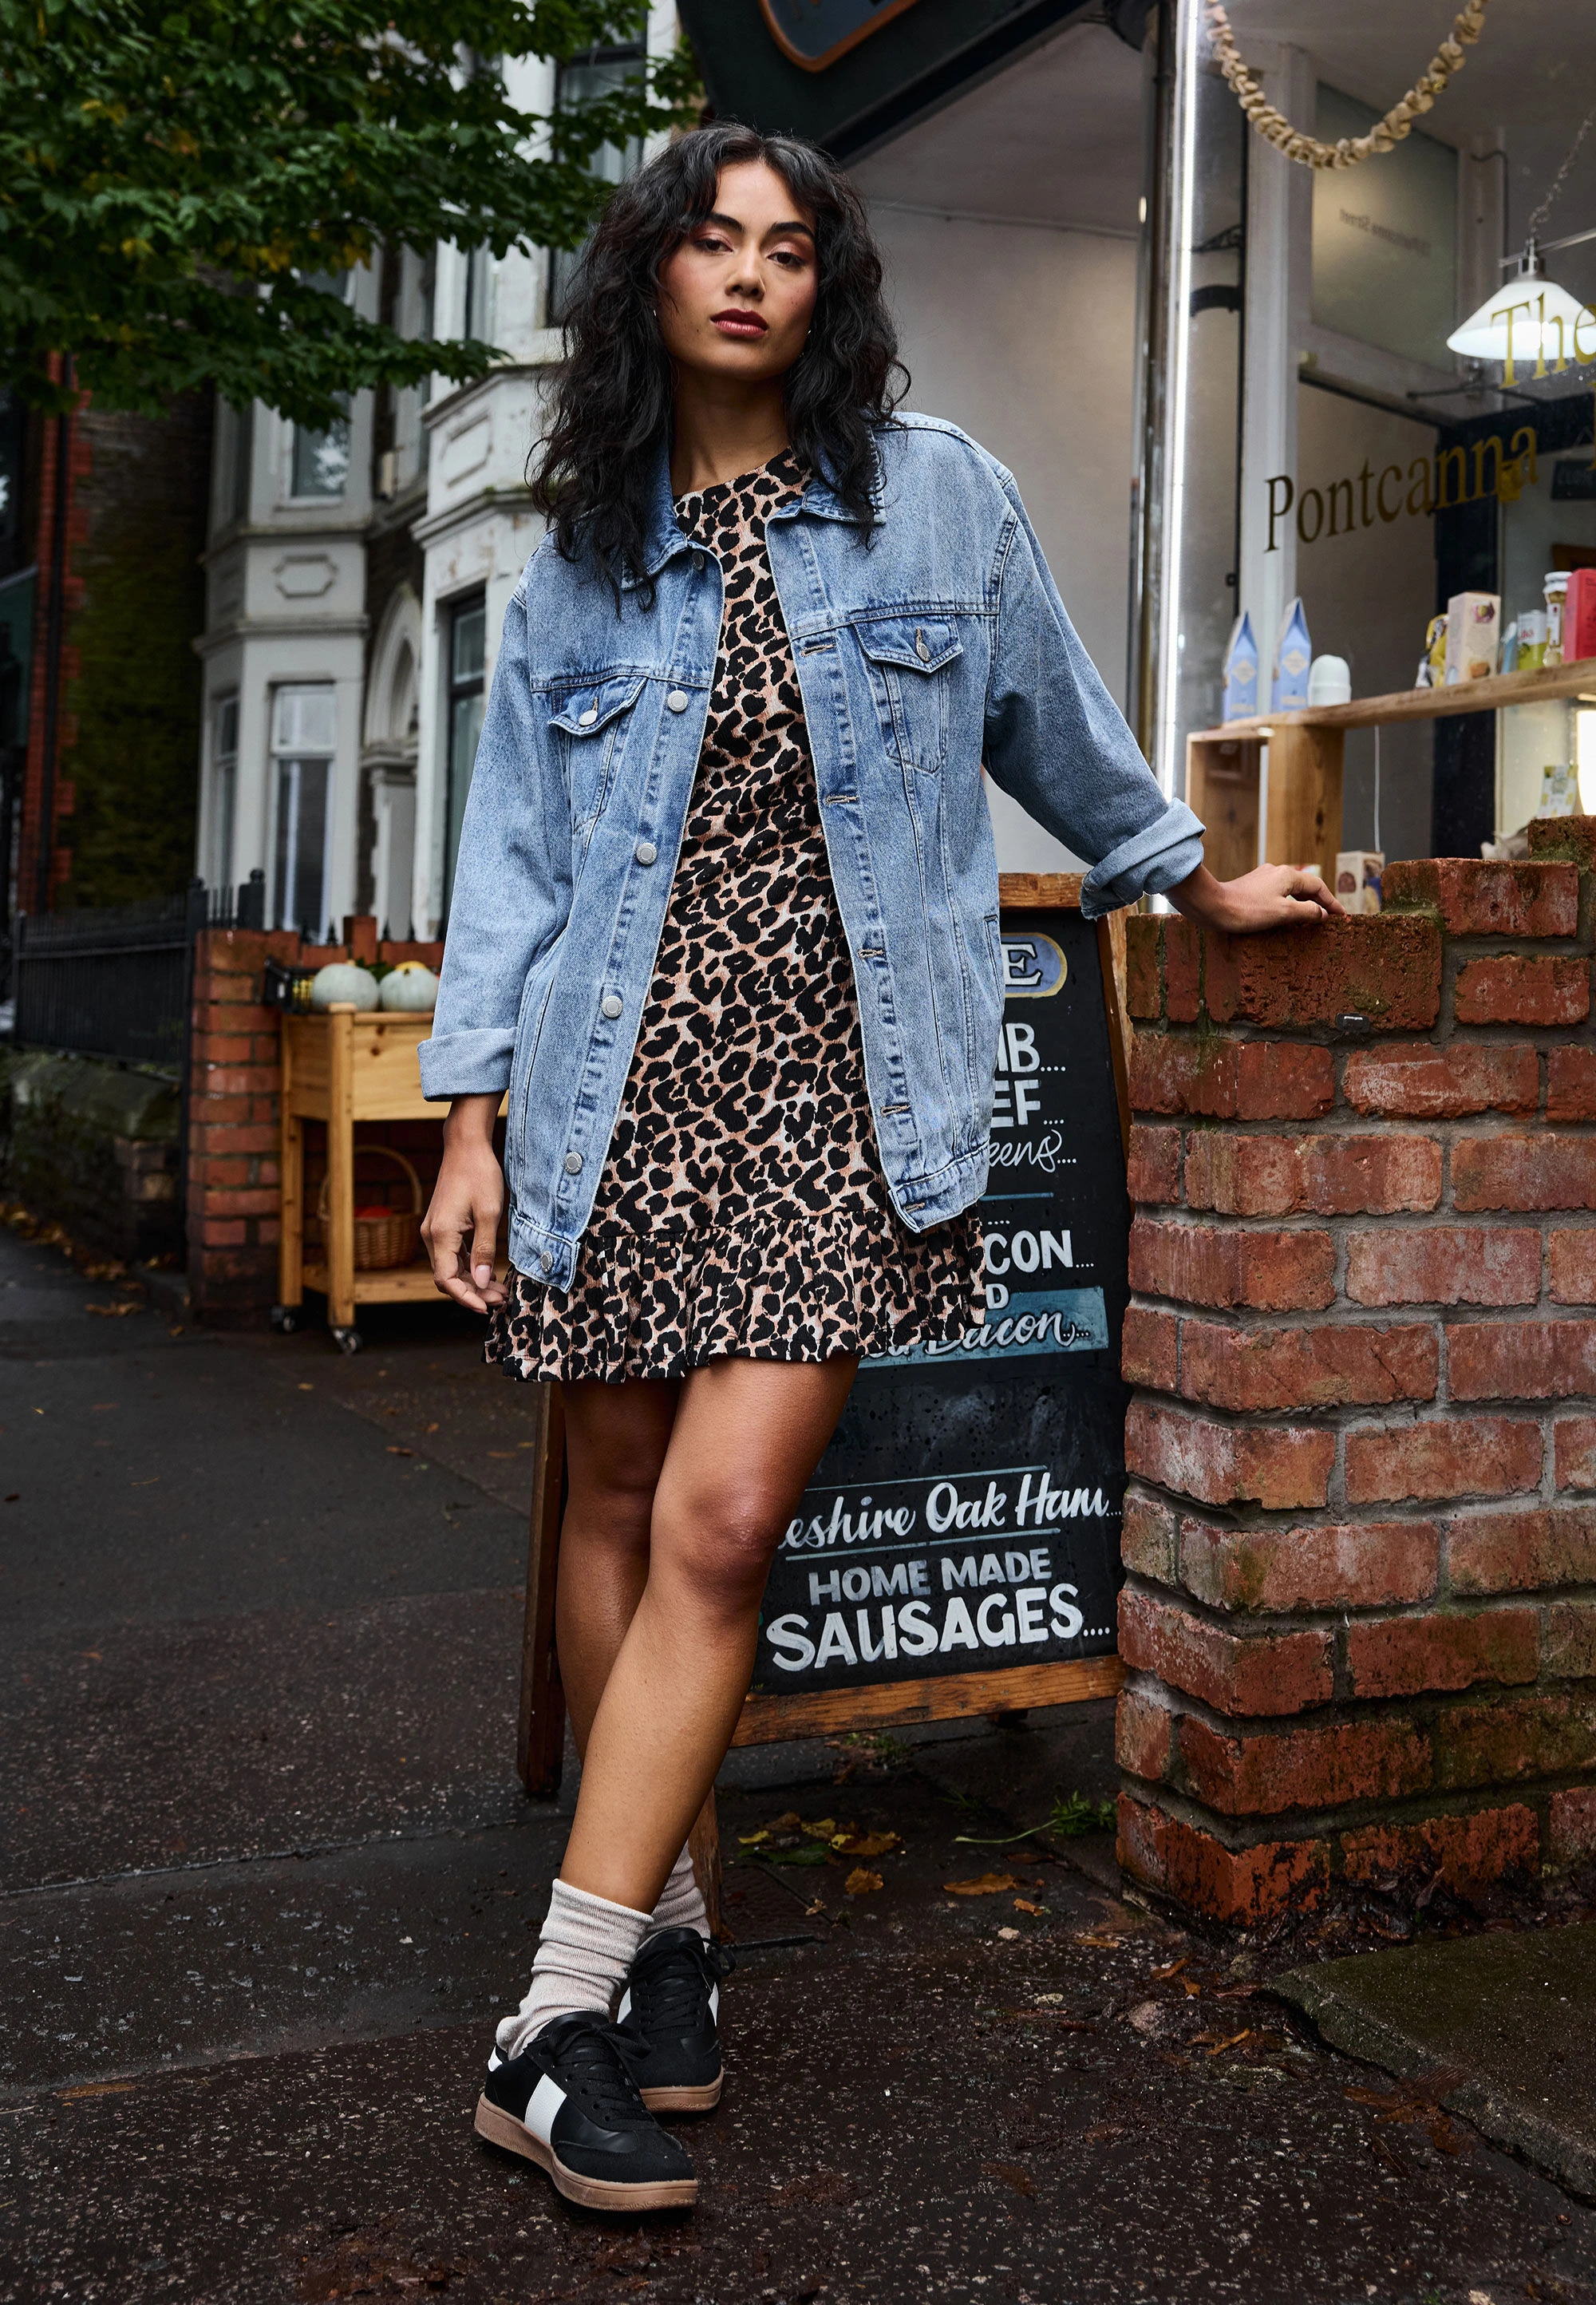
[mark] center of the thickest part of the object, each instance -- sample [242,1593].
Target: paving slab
[139,1744]
[904,2120]
[1500,2028]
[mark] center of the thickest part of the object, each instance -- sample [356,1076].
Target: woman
[725,926]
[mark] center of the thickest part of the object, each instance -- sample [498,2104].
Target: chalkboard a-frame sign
[957,1552]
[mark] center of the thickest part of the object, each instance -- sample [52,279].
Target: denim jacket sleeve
[512,892]
[1055,741]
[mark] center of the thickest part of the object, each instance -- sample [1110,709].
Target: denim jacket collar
[665,538]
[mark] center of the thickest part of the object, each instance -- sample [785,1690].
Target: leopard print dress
[743,1212]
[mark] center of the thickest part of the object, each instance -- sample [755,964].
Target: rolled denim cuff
[467,1063]
[1160,857]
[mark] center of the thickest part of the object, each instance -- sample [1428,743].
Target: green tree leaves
[178,184]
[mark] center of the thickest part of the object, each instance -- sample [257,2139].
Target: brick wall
[1360,1613]
[233,1115]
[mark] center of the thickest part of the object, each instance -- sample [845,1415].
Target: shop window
[468,636]
[223,791]
[1339,431]
[597,72]
[302,728]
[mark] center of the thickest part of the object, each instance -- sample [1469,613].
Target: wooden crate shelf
[1224,765]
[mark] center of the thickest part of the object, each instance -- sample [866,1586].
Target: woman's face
[735,298]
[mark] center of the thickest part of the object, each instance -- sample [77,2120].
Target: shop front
[1370,367]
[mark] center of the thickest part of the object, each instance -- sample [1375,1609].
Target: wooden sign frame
[768,1719]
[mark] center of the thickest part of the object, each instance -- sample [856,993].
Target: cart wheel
[286,1319]
[348,1340]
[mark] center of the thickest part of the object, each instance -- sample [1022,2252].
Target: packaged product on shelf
[1557,587]
[1359,873]
[1559,790]
[1329,681]
[1579,616]
[1474,626]
[1293,654]
[1241,672]
[1531,642]
[1433,664]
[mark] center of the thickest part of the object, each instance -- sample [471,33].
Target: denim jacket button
[611,1004]
[547,1261]
[698,558]
[586,720]
[572,1164]
[920,649]
[678,700]
[645,851]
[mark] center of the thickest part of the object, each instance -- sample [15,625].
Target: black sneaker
[665,2027]
[567,2102]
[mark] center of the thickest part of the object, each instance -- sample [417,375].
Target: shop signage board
[957,1552]
[815,32]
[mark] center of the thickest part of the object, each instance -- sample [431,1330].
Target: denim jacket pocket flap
[911,644]
[586,711]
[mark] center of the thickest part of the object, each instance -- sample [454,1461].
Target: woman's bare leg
[746,1438]
[616,1436]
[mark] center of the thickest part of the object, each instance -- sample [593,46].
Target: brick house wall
[120,793]
[1360,1610]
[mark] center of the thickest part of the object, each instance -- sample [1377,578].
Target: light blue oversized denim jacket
[941,645]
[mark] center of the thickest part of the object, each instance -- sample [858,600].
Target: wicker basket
[382,1242]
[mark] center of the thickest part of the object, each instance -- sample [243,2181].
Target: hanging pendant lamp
[1530,323]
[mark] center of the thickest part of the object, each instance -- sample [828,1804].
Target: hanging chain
[1277,130]
[1540,216]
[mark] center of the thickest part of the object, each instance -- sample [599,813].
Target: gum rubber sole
[703,2099]
[501,2128]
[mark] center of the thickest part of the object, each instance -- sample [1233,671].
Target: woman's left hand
[1273,897]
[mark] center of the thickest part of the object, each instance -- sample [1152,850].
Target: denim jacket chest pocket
[590,725]
[909,660]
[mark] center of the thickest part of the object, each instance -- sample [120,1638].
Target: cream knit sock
[681,1901]
[585,1949]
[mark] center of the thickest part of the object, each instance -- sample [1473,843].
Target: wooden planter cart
[1226,780]
[345,1067]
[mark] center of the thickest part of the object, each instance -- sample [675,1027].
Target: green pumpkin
[410,986]
[343,980]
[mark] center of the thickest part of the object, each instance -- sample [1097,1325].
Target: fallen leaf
[861,1881]
[431,1428]
[113,1312]
[1170,1968]
[94,2088]
[399,1452]
[1024,1905]
[819,1828]
[493,1452]
[986,1884]
[752,1839]
[1010,2173]
[788,1822]
[865,1844]
[1106,1945]
[1229,2042]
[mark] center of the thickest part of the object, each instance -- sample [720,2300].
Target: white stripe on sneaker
[624,2011]
[715,2002]
[542,2108]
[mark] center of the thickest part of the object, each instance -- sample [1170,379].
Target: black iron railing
[116,981]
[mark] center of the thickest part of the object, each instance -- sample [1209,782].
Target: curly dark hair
[592,473]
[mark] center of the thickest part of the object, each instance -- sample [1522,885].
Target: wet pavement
[269,1876]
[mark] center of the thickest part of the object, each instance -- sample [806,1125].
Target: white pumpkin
[343,980]
[410,986]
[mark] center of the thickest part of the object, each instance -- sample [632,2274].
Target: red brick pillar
[235,1073]
[1361,1532]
